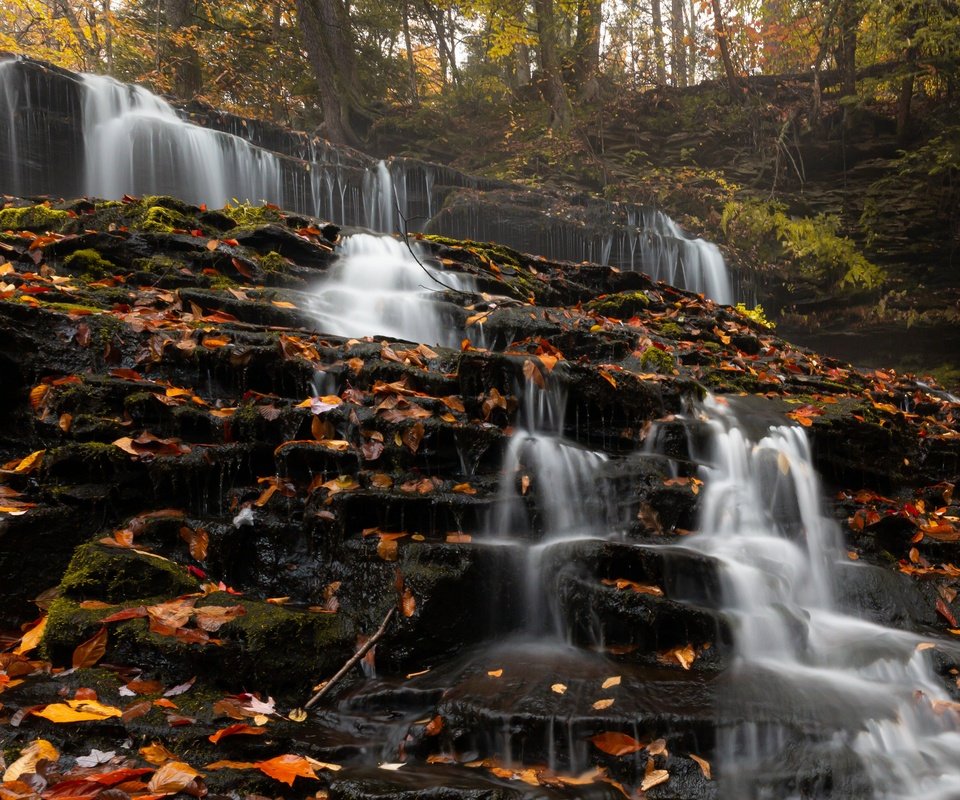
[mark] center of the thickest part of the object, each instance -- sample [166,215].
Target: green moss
[499,254]
[90,262]
[115,574]
[272,262]
[671,330]
[39,218]
[656,360]
[247,215]
[156,265]
[160,219]
[621,305]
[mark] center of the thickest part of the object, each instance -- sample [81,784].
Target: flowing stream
[811,684]
[130,141]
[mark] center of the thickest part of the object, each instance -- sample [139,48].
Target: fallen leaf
[31,639]
[77,711]
[236,730]
[602,704]
[172,777]
[91,651]
[558,688]
[287,768]
[654,778]
[408,603]
[704,766]
[495,673]
[616,744]
[38,750]
[156,754]
[614,681]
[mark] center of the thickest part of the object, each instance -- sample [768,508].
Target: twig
[354,659]
[406,241]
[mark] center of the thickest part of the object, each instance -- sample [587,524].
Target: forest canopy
[343,65]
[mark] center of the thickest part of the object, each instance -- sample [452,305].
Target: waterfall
[118,139]
[811,683]
[380,287]
[568,498]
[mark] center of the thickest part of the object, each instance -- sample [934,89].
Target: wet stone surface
[216,502]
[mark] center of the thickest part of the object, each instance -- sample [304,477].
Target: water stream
[813,690]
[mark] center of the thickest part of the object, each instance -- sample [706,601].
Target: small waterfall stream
[811,684]
[130,141]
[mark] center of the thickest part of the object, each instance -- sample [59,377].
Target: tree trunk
[846,56]
[678,47]
[659,53]
[187,69]
[587,48]
[721,32]
[411,65]
[692,44]
[552,86]
[335,90]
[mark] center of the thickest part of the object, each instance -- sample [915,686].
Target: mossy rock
[89,262]
[246,215]
[272,262]
[671,330]
[38,218]
[160,219]
[269,648]
[115,575]
[87,461]
[657,360]
[621,305]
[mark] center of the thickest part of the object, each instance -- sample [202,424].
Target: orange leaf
[31,638]
[408,603]
[236,730]
[704,766]
[616,744]
[156,754]
[77,711]
[91,651]
[286,768]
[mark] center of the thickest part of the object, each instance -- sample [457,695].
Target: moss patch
[89,262]
[621,305]
[37,218]
[114,575]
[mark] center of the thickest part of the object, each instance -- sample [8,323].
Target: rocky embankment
[206,506]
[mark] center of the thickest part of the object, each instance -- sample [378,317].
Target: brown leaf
[654,778]
[91,651]
[704,766]
[412,437]
[156,754]
[197,541]
[532,373]
[173,777]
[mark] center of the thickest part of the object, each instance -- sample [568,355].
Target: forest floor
[725,168]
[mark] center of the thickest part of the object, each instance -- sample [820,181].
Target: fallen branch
[354,659]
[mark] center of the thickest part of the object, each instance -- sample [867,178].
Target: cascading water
[379,287]
[564,482]
[130,141]
[812,688]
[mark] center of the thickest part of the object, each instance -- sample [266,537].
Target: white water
[378,288]
[134,142]
[570,497]
[841,683]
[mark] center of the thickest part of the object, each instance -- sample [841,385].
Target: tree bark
[554,92]
[678,48]
[587,48]
[659,52]
[720,29]
[187,69]
[325,52]
[411,65]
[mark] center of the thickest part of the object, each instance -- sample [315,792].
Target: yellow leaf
[31,638]
[30,463]
[282,304]
[77,711]
[559,688]
[156,754]
[495,673]
[614,681]
[38,750]
[602,704]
